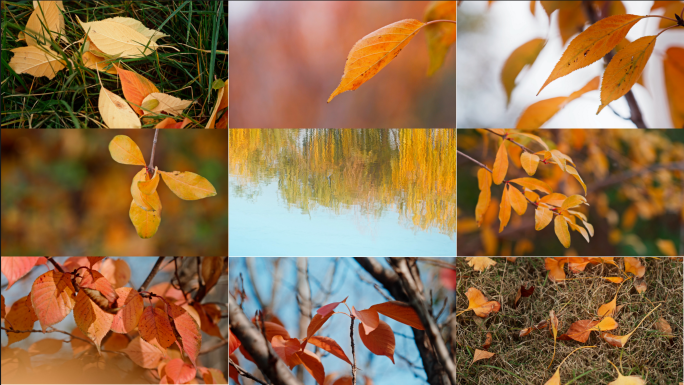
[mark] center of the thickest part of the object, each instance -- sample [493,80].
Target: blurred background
[635,184]
[289,56]
[271,285]
[63,194]
[488,32]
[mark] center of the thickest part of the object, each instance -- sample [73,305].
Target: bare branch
[245,373]
[55,264]
[150,277]
[215,347]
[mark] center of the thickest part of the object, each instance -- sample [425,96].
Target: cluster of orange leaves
[103,304]
[375,334]
[547,206]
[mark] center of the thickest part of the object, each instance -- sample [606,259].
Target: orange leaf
[156,329]
[440,36]
[127,319]
[561,229]
[143,354]
[329,308]
[481,355]
[579,331]
[500,164]
[272,329]
[400,311]
[529,162]
[542,217]
[593,44]
[368,317]
[373,52]
[52,297]
[22,317]
[484,178]
[78,346]
[212,269]
[674,75]
[117,272]
[533,184]
[634,266]
[145,201]
[45,346]
[313,365]
[315,324]
[522,56]
[208,322]
[287,349]
[555,268]
[329,345]
[555,380]
[179,372]
[540,112]
[116,343]
[614,279]
[91,319]
[233,342]
[214,376]
[479,304]
[625,69]
[73,263]
[94,260]
[608,309]
[480,263]
[517,200]
[125,151]
[93,279]
[17,267]
[504,209]
[607,323]
[380,341]
[551,6]
[146,223]
[188,330]
[135,88]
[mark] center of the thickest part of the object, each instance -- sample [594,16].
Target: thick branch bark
[410,281]
[435,372]
[265,358]
[304,302]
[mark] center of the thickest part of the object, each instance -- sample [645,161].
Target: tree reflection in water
[410,171]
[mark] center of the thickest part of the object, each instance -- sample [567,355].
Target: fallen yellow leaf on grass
[221,103]
[122,35]
[45,13]
[34,61]
[92,61]
[480,263]
[167,103]
[116,113]
[624,380]
[479,304]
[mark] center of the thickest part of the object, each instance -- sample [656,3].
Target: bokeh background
[488,34]
[289,56]
[63,194]
[638,215]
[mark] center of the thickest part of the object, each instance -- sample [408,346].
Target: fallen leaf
[488,342]
[625,69]
[146,222]
[504,209]
[664,327]
[614,279]
[16,267]
[634,266]
[45,346]
[21,316]
[554,330]
[592,44]
[561,229]
[480,263]
[95,62]
[640,285]
[52,297]
[156,329]
[623,380]
[116,113]
[221,103]
[36,61]
[127,319]
[481,355]
[673,64]
[479,304]
[135,88]
[555,380]
[188,185]
[484,178]
[500,164]
[380,341]
[555,268]
[122,35]
[522,292]
[91,319]
[580,330]
[440,36]
[125,151]
[401,312]
[373,52]
[522,56]
[45,13]
[167,103]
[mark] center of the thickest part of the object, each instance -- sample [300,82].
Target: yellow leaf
[625,68]
[45,13]
[35,61]
[533,184]
[187,185]
[522,56]
[555,380]
[500,164]
[572,171]
[529,162]
[504,209]
[440,36]
[531,195]
[167,103]
[666,247]
[149,186]
[92,61]
[555,199]
[146,222]
[125,151]
[540,112]
[116,113]
[481,355]
[570,22]
[145,201]
[485,181]
[518,201]
[221,103]
[579,229]
[122,35]
[573,201]
[561,228]
[374,51]
[593,44]
[535,137]
[480,263]
[542,217]
[674,76]
[671,8]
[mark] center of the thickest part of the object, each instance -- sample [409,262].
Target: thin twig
[437,262]
[512,141]
[150,277]
[150,169]
[215,347]
[180,285]
[351,335]
[244,373]
[55,264]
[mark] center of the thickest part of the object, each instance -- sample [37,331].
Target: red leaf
[52,297]
[156,329]
[127,319]
[41,261]
[448,278]
[17,267]
[188,330]
[232,372]
[94,260]
[287,349]
[246,354]
[93,321]
[579,331]
[117,272]
[233,342]
[135,88]
[179,372]
[329,345]
[369,318]
[313,365]
[208,318]
[329,308]
[22,317]
[399,311]
[315,324]
[92,279]
[143,354]
[380,341]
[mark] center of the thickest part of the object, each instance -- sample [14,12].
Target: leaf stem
[154,146]
[55,264]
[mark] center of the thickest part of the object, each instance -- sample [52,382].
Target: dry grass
[526,360]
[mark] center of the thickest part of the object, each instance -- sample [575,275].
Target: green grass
[526,360]
[197,29]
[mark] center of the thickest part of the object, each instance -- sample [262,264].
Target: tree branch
[55,264]
[351,335]
[256,345]
[245,373]
[150,169]
[622,177]
[150,277]
[411,287]
[215,347]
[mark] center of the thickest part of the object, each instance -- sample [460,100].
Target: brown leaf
[481,355]
[522,292]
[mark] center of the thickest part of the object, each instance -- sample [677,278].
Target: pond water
[342,192]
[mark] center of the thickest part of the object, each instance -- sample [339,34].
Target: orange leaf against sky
[551,6]
[143,354]
[126,319]
[329,345]
[116,271]
[504,209]
[373,52]
[522,56]
[555,268]
[156,329]
[533,184]
[369,318]
[52,297]
[313,365]
[272,329]
[380,341]
[401,312]
[179,372]
[540,112]
[125,151]
[233,342]
[94,260]
[561,229]
[440,36]
[315,324]
[22,317]
[500,164]
[625,69]
[592,44]
[480,263]
[478,303]
[45,346]
[17,267]
[673,64]
[91,319]
[529,162]
[329,308]
[634,266]
[188,185]
[93,279]
[189,331]
[481,355]
[517,200]
[287,349]
[484,178]
[135,88]
[73,263]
